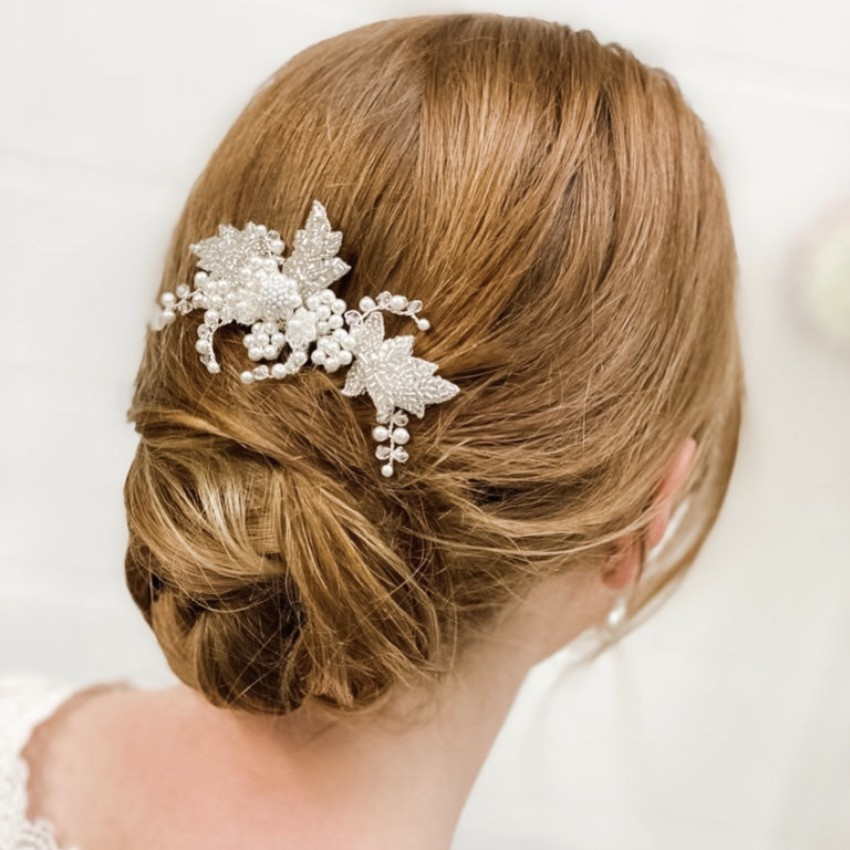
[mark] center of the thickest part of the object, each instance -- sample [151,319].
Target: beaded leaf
[393,377]
[313,262]
[228,256]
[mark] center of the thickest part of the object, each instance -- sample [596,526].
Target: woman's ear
[625,568]
[677,474]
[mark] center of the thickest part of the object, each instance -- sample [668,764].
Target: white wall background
[721,723]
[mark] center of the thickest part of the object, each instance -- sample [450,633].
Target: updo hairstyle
[554,204]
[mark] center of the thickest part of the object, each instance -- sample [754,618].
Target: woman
[349,636]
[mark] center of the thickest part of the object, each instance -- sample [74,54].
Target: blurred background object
[824,276]
[721,722]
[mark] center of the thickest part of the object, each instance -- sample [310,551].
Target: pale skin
[164,769]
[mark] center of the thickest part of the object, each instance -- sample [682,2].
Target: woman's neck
[364,782]
[376,781]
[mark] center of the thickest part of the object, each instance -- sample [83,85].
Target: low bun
[265,585]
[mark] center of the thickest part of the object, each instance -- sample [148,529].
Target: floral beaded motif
[244,278]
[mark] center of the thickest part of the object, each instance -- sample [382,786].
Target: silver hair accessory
[245,279]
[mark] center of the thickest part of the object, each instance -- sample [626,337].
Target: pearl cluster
[244,279]
[320,320]
[397,435]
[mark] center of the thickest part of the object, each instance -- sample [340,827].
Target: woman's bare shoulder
[71,757]
[120,766]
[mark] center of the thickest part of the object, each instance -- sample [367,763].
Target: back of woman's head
[554,204]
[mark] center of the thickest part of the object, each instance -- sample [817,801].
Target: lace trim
[23,833]
[24,705]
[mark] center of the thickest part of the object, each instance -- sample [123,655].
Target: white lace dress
[24,703]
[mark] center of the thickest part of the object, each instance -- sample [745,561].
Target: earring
[618,611]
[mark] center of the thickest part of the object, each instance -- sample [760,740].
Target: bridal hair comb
[287,301]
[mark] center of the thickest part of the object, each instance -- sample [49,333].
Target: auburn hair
[554,204]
